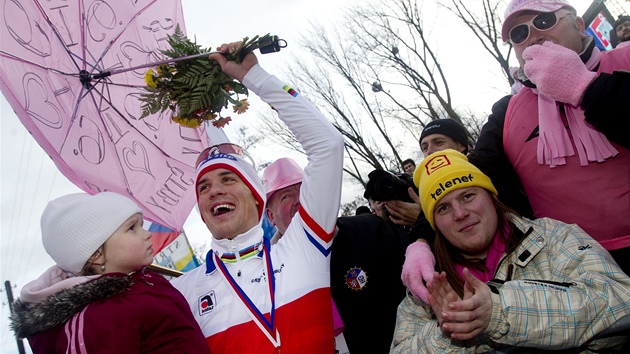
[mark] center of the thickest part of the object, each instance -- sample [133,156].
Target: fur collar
[57,309]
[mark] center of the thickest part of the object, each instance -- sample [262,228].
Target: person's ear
[580,25]
[270,216]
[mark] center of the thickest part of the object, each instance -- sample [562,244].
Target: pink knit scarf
[554,143]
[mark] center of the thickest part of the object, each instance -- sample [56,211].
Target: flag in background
[171,249]
[268,229]
[161,237]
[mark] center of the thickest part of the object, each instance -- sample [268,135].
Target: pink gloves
[558,72]
[419,265]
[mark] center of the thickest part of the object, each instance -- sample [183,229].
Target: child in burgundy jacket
[99,297]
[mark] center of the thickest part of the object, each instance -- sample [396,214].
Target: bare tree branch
[487,28]
[378,78]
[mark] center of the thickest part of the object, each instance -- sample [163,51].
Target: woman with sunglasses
[563,139]
[250,297]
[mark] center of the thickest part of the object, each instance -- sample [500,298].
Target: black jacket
[365,268]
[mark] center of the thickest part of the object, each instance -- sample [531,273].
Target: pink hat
[515,7]
[282,173]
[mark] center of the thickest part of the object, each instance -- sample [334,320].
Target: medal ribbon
[267,327]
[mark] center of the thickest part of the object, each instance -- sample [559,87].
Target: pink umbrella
[62,69]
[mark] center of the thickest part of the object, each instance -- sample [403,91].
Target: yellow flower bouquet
[195,89]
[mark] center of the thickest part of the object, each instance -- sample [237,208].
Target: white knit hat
[76,225]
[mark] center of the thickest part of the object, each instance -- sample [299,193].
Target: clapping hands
[461,319]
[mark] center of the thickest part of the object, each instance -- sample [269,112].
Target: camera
[384,186]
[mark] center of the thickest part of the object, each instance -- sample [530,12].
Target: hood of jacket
[28,319]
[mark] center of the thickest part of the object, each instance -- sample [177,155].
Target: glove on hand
[557,72]
[419,265]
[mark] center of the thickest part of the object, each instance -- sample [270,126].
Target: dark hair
[446,255]
[408,161]
[362,210]
[620,20]
[449,127]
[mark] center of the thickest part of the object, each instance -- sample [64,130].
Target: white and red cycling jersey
[239,307]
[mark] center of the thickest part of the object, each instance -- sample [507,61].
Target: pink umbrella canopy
[62,69]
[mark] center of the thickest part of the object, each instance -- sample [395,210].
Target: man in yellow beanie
[505,281]
[443,173]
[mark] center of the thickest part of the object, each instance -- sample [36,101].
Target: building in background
[599,19]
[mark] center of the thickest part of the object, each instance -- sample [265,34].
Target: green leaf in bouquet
[194,89]
[239,88]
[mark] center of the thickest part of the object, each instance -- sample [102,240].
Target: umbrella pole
[266,44]
[173,60]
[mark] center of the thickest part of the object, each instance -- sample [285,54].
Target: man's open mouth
[222,209]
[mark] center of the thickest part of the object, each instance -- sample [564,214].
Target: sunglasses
[543,22]
[223,149]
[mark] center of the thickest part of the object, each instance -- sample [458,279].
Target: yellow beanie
[443,172]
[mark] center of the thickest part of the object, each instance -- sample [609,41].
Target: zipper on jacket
[496,284]
[509,272]
[144,276]
[499,267]
[551,282]
[237,254]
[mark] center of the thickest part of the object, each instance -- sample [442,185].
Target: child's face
[129,248]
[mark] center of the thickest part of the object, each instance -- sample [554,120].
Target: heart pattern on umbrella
[62,69]
[37,104]
[136,158]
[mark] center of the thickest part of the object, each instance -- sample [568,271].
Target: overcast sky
[29,179]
